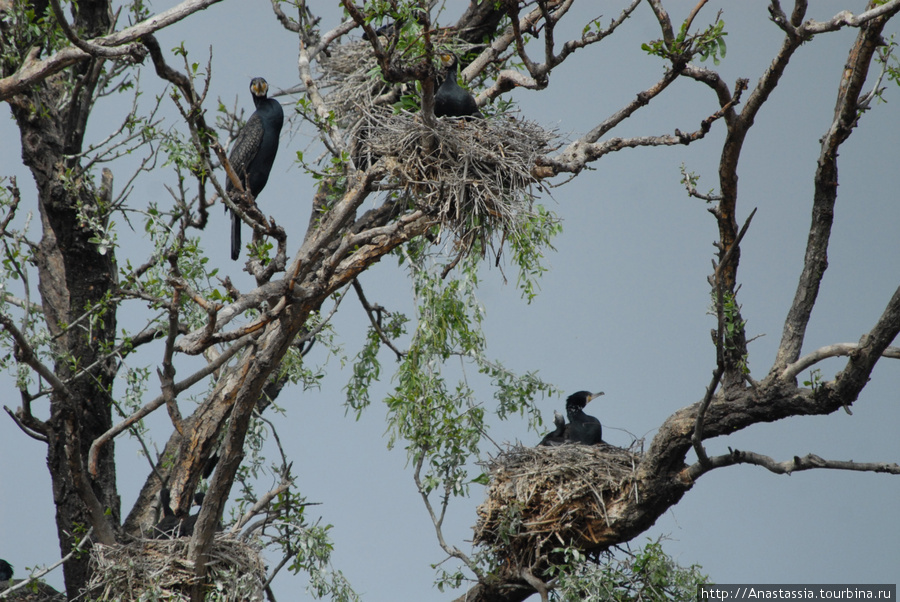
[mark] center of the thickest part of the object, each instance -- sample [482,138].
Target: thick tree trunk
[75,279]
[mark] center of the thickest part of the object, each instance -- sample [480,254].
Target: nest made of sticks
[347,79]
[351,84]
[541,498]
[157,569]
[475,176]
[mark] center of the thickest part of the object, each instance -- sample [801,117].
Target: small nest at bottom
[474,175]
[541,498]
[157,569]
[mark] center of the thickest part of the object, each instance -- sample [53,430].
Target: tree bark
[75,279]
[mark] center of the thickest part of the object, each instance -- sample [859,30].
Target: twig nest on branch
[542,498]
[157,569]
[351,82]
[347,79]
[474,176]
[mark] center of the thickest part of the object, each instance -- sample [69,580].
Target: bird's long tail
[235,236]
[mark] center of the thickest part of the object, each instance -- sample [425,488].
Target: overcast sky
[623,309]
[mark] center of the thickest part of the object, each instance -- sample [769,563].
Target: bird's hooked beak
[259,87]
[593,396]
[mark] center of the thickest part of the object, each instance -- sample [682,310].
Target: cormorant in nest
[582,428]
[254,151]
[386,31]
[187,526]
[450,99]
[557,437]
[6,570]
[173,524]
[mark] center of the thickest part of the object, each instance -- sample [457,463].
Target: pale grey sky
[623,309]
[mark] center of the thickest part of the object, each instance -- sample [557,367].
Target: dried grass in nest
[474,176]
[541,498]
[157,569]
[347,77]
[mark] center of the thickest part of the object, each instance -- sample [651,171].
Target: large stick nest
[474,176]
[350,79]
[158,569]
[542,498]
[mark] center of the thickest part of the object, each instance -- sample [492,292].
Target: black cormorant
[387,30]
[254,151]
[6,570]
[582,428]
[169,524]
[557,437]
[187,525]
[451,100]
[173,524]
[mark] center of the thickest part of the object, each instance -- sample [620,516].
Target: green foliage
[441,421]
[709,43]
[647,575]
[15,265]
[179,151]
[312,554]
[294,367]
[734,326]
[26,29]
[887,58]
[366,368]
[734,329]
[305,546]
[690,180]
[815,380]
[532,238]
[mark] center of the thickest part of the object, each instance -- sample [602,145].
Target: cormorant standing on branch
[557,437]
[583,428]
[450,99]
[254,151]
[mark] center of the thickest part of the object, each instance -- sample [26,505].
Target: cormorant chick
[557,437]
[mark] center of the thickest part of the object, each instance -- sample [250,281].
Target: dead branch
[836,350]
[134,51]
[796,464]
[825,195]
[156,403]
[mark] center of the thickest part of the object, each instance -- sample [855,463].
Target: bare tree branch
[815,262]
[32,70]
[133,51]
[851,380]
[7,593]
[156,403]
[796,464]
[836,350]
